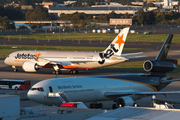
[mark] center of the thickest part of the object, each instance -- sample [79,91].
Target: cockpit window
[39,89]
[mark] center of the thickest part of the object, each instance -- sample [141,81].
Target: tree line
[81,19]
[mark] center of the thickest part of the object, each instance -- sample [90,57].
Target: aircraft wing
[127,54]
[119,94]
[43,61]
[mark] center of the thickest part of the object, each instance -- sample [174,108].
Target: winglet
[117,44]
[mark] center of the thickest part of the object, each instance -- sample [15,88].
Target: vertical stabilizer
[164,49]
[117,44]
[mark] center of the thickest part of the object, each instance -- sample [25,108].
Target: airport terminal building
[93,10]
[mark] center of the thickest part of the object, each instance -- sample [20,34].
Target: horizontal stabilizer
[172,60]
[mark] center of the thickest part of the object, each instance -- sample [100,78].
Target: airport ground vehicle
[14,84]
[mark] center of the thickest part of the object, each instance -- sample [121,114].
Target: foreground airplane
[125,89]
[31,61]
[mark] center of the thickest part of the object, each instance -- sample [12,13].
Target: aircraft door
[50,89]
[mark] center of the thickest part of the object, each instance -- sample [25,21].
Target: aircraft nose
[34,96]
[6,61]
[31,95]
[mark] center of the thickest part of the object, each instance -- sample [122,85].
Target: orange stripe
[21,60]
[74,67]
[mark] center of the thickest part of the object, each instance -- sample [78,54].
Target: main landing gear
[57,72]
[15,69]
[96,105]
[114,106]
[73,71]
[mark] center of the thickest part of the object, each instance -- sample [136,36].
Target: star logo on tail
[120,40]
[38,55]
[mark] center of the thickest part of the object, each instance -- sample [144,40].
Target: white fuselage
[84,89]
[81,60]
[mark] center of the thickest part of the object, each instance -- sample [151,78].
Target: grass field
[95,36]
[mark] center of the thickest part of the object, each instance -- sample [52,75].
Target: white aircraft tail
[116,46]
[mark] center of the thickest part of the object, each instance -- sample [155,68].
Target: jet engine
[30,66]
[124,101]
[158,66]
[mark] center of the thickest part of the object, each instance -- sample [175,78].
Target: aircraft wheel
[120,105]
[76,71]
[100,105]
[15,70]
[91,105]
[54,72]
[58,72]
[114,106]
[71,72]
[135,105]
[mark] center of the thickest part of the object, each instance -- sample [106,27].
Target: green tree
[126,15]
[78,4]
[4,22]
[125,2]
[178,21]
[39,13]
[112,15]
[140,16]
[150,17]
[90,2]
[149,5]
[160,16]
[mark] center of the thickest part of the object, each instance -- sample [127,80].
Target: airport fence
[107,29]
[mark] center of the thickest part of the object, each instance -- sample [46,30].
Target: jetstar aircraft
[124,89]
[31,61]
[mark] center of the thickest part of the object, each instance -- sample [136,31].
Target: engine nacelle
[30,66]
[124,101]
[158,66]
